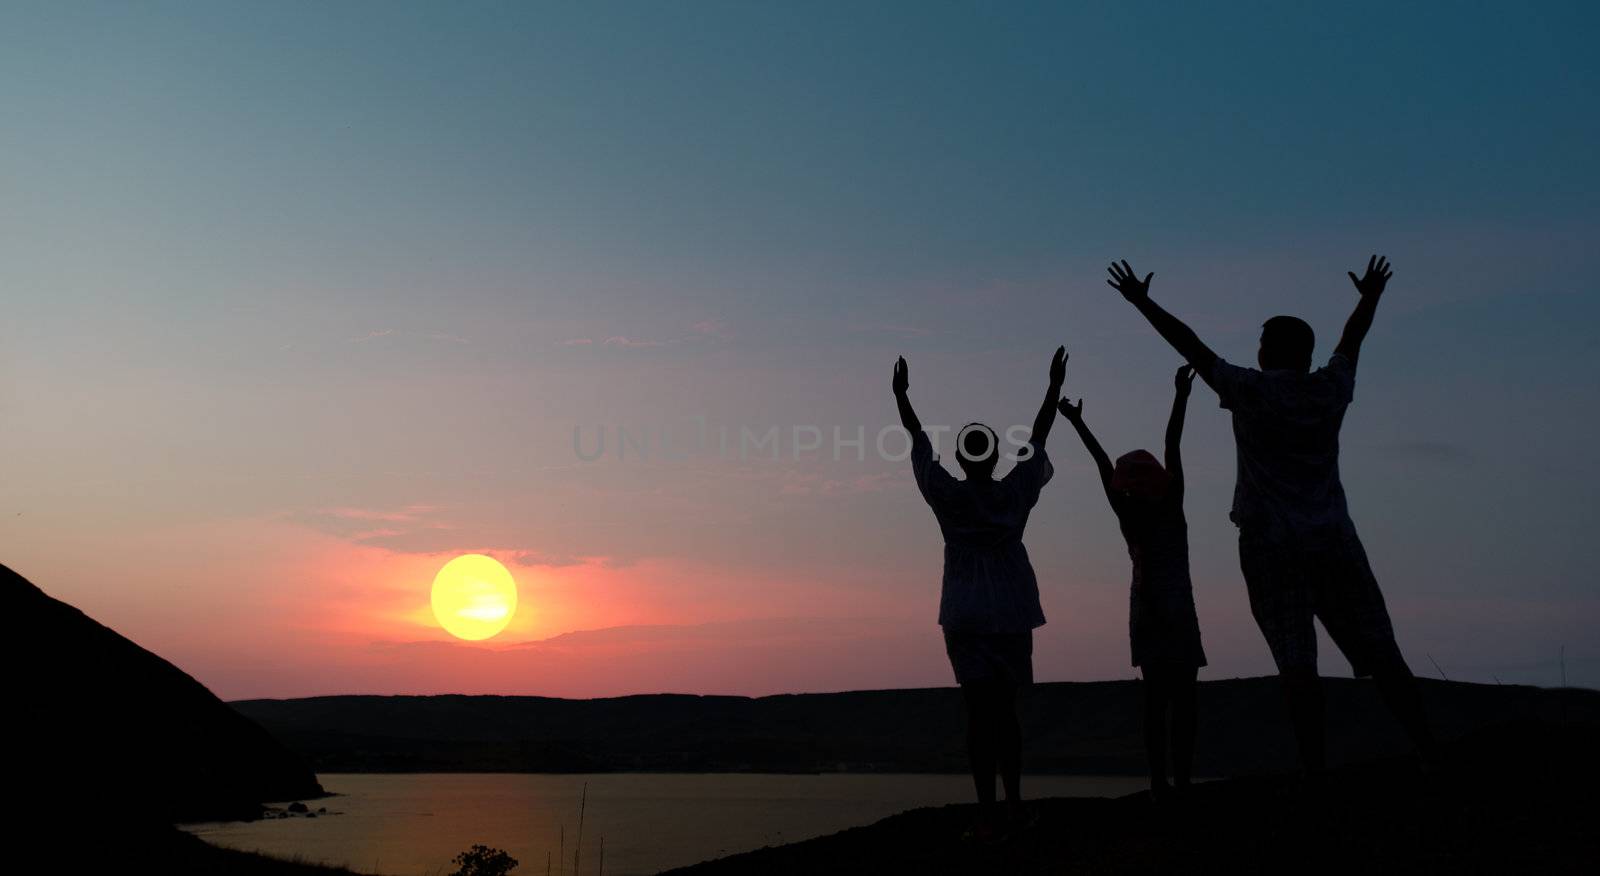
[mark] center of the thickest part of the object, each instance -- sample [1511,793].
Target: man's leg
[1302,688]
[1399,689]
[1281,580]
[1353,611]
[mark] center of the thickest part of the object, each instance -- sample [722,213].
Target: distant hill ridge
[1071,727]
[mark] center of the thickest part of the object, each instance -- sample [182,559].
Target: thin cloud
[564,560]
[706,330]
[714,328]
[415,528]
[399,515]
[902,331]
[407,333]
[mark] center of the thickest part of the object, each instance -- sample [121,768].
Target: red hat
[1140,474]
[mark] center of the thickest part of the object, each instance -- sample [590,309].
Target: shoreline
[1513,798]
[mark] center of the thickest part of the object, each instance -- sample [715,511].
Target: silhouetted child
[989,599]
[1148,501]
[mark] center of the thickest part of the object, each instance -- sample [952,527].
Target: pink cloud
[715,328]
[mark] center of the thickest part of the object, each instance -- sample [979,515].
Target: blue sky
[272,268]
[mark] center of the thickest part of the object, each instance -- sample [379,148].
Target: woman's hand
[1058,367]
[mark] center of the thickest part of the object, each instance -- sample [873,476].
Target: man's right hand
[902,376]
[1124,280]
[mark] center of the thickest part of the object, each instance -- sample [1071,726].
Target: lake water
[414,824]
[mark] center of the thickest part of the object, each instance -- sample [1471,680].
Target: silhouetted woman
[1148,501]
[989,599]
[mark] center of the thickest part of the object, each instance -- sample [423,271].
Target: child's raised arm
[1102,462]
[1183,381]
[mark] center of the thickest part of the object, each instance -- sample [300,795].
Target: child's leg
[1183,722]
[980,740]
[1155,726]
[1008,742]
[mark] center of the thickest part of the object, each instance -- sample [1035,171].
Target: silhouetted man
[1298,548]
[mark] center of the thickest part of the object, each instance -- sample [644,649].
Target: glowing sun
[474,597]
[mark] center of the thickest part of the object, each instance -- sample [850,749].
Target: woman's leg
[1008,742]
[1156,696]
[1183,723]
[980,740]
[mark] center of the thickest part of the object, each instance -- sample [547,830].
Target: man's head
[977,450]
[1286,344]
[1140,475]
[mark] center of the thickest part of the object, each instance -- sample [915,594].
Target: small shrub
[483,861]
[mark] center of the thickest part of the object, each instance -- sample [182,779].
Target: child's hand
[1184,379]
[902,376]
[1124,280]
[1058,367]
[1073,413]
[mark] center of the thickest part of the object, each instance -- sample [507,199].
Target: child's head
[1140,475]
[1286,343]
[977,450]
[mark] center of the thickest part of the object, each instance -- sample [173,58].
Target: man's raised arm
[900,384]
[1371,286]
[1181,337]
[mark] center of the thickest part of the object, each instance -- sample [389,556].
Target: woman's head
[1140,475]
[977,450]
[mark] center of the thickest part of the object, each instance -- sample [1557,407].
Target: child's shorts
[977,658]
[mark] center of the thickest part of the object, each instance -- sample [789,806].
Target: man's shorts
[1003,658]
[1291,581]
